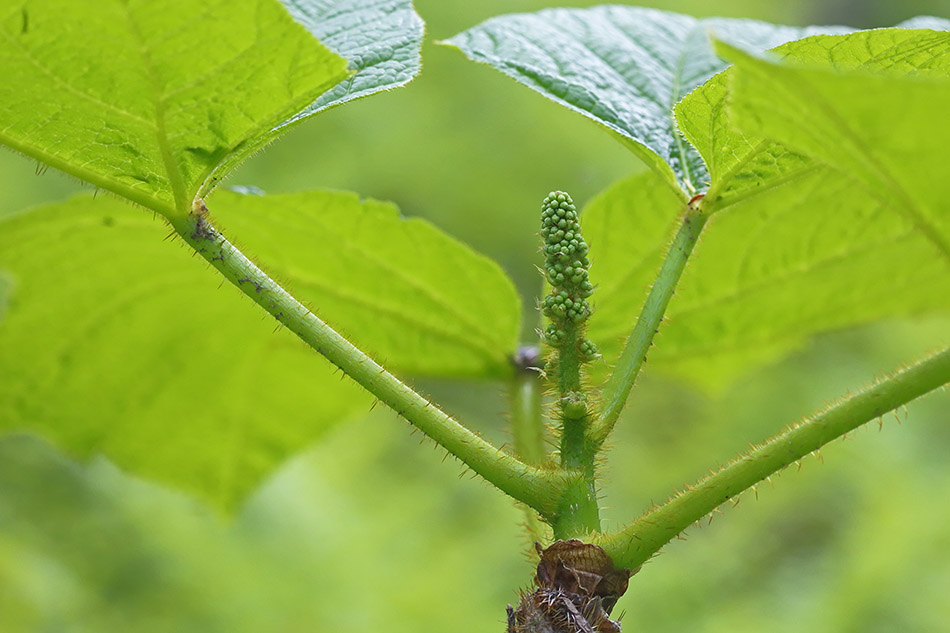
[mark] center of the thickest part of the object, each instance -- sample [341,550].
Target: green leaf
[741,164]
[6,286]
[381,40]
[888,131]
[767,273]
[403,291]
[116,342]
[148,99]
[623,67]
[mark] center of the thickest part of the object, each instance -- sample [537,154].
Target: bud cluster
[566,263]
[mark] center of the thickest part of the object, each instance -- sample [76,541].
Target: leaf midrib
[175,178]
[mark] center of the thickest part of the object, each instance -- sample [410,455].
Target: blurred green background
[368,531]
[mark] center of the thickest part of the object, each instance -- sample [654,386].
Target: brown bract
[577,587]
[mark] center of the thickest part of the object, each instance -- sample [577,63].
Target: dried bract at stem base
[577,587]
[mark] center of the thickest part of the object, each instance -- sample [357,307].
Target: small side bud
[574,405]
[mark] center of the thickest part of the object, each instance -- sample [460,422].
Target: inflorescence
[566,265]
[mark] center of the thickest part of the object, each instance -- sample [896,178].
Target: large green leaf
[116,342]
[381,40]
[768,272]
[147,99]
[623,67]
[741,164]
[889,130]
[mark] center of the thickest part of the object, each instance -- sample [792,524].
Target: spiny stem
[566,265]
[638,542]
[536,487]
[615,393]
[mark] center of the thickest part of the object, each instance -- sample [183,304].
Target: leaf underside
[147,99]
[742,163]
[381,40]
[623,67]
[795,247]
[888,131]
[116,342]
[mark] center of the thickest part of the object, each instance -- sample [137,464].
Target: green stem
[638,542]
[536,487]
[566,269]
[615,393]
[573,410]
[527,422]
[578,513]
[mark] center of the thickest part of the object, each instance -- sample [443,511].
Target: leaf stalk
[634,354]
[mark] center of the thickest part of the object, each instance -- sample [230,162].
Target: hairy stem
[634,354]
[639,541]
[579,513]
[536,487]
[566,265]
[574,413]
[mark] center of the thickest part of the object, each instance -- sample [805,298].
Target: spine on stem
[566,264]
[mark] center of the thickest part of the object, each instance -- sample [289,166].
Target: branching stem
[634,354]
[638,542]
[538,488]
